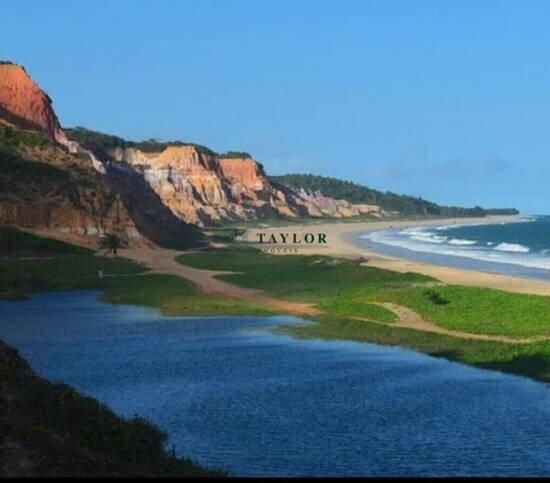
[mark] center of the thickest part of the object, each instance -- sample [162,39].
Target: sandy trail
[409,319]
[161,260]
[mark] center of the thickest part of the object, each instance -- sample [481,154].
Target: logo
[283,242]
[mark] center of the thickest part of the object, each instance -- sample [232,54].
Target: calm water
[231,394]
[521,248]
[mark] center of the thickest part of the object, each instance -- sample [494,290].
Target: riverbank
[341,242]
[479,326]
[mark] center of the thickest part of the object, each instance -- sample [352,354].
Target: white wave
[513,254]
[429,238]
[459,241]
[512,247]
[523,219]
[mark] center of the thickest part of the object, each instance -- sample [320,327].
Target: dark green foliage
[354,193]
[435,297]
[13,137]
[28,245]
[14,168]
[112,242]
[98,141]
[235,154]
[60,432]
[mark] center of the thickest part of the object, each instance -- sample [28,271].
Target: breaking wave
[433,240]
[512,247]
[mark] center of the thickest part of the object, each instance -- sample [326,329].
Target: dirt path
[409,319]
[161,260]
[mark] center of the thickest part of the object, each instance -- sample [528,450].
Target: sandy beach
[340,244]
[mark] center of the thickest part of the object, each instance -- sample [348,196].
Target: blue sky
[448,100]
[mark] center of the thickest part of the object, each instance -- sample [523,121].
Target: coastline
[341,243]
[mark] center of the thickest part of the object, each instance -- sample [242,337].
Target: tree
[112,242]
[7,246]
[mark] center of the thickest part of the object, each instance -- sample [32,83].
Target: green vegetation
[13,168]
[342,289]
[173,295]
[235,154]
[531,360]
[98,141]
[355,308]
[476,310]
[23,244]
[299,278]
[56,265]
[20,277]
[13,137]
[52,430]
[354,193]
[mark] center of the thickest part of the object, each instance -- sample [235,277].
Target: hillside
[403,204]
[50,429]
[79,184]
[49,183]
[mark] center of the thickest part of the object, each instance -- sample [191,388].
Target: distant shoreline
[341,243]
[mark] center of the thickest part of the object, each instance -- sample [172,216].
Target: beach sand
[340,244]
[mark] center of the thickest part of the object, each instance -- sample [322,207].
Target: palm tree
[6,244]
[112,242]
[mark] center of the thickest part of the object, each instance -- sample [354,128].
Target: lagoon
[231,393]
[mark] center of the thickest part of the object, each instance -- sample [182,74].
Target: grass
[173,295]
[476,310]
[61,266]
[531,360]
[299,278]
[343,289]
[356,308]
[28,245]
[340,288]
[20,277]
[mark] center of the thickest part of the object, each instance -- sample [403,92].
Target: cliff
[82,183]
[24,104]
[201,188]
[49,183]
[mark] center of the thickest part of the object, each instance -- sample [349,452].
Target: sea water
[520,248]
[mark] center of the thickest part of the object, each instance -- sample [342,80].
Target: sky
[448,100]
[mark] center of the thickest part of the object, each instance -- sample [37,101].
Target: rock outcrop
[201,188]
[61,187]
[109,184]
[24,104]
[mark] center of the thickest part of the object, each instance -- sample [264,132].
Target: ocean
[519,248]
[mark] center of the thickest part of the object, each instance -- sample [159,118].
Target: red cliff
[24,104]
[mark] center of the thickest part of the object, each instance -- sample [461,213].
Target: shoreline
[341,243]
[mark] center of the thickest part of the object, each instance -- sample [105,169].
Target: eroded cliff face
[200,188]
[318,205]
[47,189]
[23,103]
[93,189]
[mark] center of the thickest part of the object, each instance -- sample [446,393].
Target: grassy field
[341,288]
[45,265]
[173,296]
[531,360]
